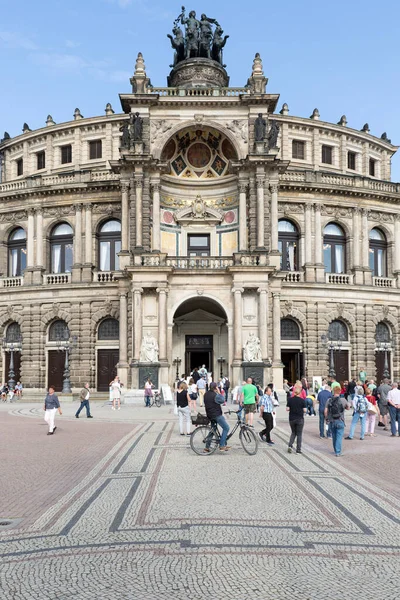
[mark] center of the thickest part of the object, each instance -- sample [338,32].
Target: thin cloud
[14,40]
[72,44]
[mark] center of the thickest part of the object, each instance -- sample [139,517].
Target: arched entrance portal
[200,336]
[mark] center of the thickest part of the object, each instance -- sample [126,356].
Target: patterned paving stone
[127,510]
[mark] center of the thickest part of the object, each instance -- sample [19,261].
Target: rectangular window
[298,149]
[20,167]
[66,154]
[351,161]
[95,149]
[372,164]
[327,155]
[41,160]
[198,245]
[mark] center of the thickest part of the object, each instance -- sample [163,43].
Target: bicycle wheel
[204,438]
[157,400]
[248,439]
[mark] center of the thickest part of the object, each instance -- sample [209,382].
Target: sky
[341,57]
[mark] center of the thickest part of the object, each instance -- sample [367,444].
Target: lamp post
[332,346]
[66,345]
[11,347]
[384,347]
[177,361]
[221,361]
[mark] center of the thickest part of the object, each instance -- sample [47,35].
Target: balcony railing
[12,282]
[103,276]
[201,262]
[336,179]
[383,282]
[203,92]
[59,179]
[294,277]
[339,278]
[58,278]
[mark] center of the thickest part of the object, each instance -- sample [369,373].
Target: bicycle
[208,437]
[155,399]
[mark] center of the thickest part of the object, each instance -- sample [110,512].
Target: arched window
[13,333]
[337,331]
[288,243]
[17,252]
[377,253]
[289,330]
[61,242]
[58,331]
[382,333]
[109,245]
[108,330]
[334,249]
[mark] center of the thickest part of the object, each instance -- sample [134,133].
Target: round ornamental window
[168,217]
[199,155]
[229,217]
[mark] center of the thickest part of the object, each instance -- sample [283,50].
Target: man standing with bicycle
[213,403]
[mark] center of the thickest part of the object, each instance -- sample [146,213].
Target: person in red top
[302,394]
[371,418]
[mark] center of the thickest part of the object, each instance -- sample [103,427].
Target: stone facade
[197,176]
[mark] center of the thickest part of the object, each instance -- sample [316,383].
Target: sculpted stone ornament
[260,128]
[132,131]
[252,350]
[218,44]
[178,44]
[125,138]
[149,349]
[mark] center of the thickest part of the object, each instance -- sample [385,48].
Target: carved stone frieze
[336,211]
[158,127]
[239,128]
[58,211]
[381,217]
[290,208]
[13,217]
[106,209]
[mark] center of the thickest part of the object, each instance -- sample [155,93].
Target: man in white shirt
[393,398]
[84,396]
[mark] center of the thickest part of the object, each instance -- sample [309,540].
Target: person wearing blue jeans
[393,398]
[334,413]
[222,422]
[212,403]
[337,428]
[360,405]
[323,397]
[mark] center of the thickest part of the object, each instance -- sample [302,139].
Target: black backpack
[336,408]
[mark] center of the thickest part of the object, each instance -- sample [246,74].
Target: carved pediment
[198,213]
[199,315]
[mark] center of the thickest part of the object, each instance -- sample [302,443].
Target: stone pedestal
[87,274]
[198,72]
[274,259]
[255,370]
[37,276]
[141,371]
[124,259]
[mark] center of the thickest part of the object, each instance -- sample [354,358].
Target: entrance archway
[200,336]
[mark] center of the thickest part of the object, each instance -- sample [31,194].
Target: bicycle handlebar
[235,412]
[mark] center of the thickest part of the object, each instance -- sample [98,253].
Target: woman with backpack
[360,405]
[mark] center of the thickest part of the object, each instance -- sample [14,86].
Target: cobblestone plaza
[120,507]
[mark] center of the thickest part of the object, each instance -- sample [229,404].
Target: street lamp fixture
[11,347]
[221,360]
[331,346]
[177,361]
[65,344]
[384,347]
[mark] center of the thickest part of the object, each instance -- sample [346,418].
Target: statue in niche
[273,135]
[149,349]
[178,44]
[135,127]
[260,128]
[125,138]
[252,350]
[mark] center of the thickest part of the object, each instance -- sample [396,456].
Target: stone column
[156,245]
[124,256]
[309,269]
[319,259]
[365,247]
[276,327]
[30,258]
[274,254]
[243,246]
[260,212]
[139,212]
[277,367]
[137,317]
[123,336]
[87,269]
[238,309]
[162,324]
[39,238]
[396,258]
[262,320]
[76,270]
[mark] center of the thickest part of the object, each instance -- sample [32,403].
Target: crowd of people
[7,393]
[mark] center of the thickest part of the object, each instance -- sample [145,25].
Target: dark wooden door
[380,365]
[341,362]
[17,366]
[55,370]
[107,361]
